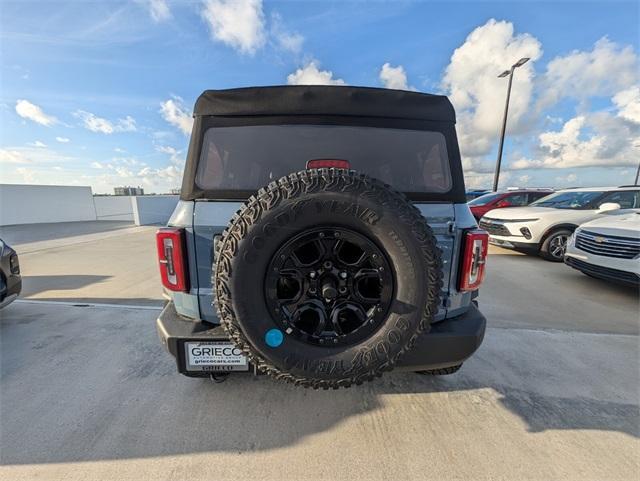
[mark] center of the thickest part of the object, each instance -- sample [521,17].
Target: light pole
[509,72]
[637,175]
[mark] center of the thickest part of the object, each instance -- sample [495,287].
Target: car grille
[603,272]
[607,245]
[494,229]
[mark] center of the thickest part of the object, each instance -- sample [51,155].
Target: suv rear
[287,255]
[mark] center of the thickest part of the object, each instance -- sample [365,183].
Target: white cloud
[524,179]
[628,103]
[569,179]
[98,124]
[478,94]
[159,10]
[286,40]
[174,154]
[97,165]
[604,71]
[28,175]
[599,139]
[394,77]
[39,144]
[63,140]
[8,156]
[237,23]
[27,110]
[311,75]
[174,112]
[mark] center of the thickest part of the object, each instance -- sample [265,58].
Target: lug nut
[312,275]
[328,265]
[321,234]
[343,275]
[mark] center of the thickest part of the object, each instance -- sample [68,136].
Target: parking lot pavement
[524,291]
[96,262]
[88,393]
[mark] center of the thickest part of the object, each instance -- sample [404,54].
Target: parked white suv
[545,225]
[607,248]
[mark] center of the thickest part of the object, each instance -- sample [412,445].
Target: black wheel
[443,371]
[555,244]
[326,277]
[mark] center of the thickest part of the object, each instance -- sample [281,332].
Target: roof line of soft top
[325,100]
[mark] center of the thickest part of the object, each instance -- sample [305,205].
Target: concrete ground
[88,392]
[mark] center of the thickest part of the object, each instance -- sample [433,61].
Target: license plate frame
[213,356]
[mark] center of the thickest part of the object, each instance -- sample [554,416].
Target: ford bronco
[321,237]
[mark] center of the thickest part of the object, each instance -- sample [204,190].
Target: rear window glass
[248,157]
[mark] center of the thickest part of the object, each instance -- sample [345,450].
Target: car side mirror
[608,206]
[503,203]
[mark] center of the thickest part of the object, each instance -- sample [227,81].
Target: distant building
[128,191]
[175,191]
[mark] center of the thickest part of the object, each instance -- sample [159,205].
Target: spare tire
[326,277]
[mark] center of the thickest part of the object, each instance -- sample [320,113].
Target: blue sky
[100,93]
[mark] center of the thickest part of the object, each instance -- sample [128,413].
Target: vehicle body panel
[612,236]
[504,225]
[204,210]
[509,199]
[10,278]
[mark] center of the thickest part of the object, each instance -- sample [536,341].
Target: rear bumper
[602,272]
[449,343]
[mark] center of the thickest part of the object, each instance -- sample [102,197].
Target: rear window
[248,157]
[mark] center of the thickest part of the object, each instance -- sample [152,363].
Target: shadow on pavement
[82,384]
[27,233]
[33,285]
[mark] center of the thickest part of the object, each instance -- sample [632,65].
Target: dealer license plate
[214,356]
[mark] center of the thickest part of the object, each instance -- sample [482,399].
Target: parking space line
[89,304]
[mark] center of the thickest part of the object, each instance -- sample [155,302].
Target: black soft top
[324,100]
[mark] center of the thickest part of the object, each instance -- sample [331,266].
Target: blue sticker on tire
[274,337]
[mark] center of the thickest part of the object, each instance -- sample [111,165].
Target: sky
[101,93]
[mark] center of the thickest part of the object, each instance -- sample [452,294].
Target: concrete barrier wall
[35,204]
[153,209]
[114,208]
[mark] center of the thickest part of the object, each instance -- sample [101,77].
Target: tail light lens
[328,164]
[172,258]
[474,257]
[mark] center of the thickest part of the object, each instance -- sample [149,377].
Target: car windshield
[245,158]
[485,199]
[568,200]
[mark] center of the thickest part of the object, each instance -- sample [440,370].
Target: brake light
[328,164]
[172,258]
[474,257]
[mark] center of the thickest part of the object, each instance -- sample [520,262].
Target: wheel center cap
[329,290]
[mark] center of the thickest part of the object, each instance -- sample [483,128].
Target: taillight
[474,257]
[172,258]
[328,164]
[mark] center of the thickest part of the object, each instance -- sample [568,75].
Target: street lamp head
[504,74]
[521,62]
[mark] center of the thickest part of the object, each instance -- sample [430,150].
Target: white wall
[34,204]
[153,209]
[114,207]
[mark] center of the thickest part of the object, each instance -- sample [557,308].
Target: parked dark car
[10,280]
[507,198]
